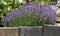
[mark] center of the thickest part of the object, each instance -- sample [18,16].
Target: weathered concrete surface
[51,30]
[46,30]
[8,31]
[1,32]
[30,31]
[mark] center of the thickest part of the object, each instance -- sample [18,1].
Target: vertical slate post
[30,31]
[51,30]
[8,31]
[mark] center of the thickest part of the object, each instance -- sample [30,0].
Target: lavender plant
[32,14]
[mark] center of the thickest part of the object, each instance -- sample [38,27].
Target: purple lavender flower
[40,11]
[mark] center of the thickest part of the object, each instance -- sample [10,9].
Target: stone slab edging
[30,31]
[46,30]
[8,31]
[51,30]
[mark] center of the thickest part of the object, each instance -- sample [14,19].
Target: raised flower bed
[31,17]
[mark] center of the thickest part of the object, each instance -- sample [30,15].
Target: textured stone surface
[1,32]
[30,31]
[8,31]
[51,30]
